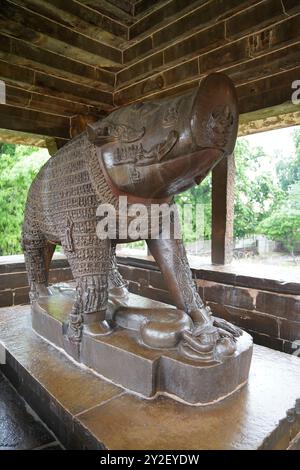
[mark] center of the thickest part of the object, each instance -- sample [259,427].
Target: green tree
[256,192]
[200,195]
[284,223]
[18,167]
[288,168]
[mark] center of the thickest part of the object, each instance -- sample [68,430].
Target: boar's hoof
[94,324]
[101,328]
[119,292]
[208,343]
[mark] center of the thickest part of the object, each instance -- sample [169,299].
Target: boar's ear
[98,133]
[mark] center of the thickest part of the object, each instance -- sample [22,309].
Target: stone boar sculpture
[148,152]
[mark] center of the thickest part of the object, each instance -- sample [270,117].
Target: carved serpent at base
[149,152]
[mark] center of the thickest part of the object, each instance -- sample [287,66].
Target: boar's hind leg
[89,265]
[38,254]
[171,258]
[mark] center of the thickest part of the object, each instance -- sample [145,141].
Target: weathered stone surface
[152,293]
[248,20]
[21,295]
[19,430]
[284,59]
[136,274]
[265,93]
[228,295]
[59,31]
[27,120]
[200,17]
[245,421]
[52,62]
[199,42]
[139,49]
[264,339]
[14,288]
[291,6]
[249,320]
[13,280]
[290,330]
[145,66]
[6,298]
[283,306]
[17,94]
[284,32]
[224,56]
[162,13]
[291,347]
[91,13]
[15,263]
[181,72]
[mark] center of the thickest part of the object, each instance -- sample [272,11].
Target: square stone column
[223,178]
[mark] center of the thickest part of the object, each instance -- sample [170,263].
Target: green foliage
[200,195]
[284,223]
[288,168]
[18,167]
[259,191]
[256,192]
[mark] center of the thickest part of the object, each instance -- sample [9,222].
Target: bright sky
[276,145]
[273,141]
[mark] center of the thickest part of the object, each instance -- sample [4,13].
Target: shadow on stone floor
[20,428]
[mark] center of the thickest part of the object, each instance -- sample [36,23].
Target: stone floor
[87,412]
[20,428]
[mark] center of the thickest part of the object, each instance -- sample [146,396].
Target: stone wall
[268,309]
[13,279]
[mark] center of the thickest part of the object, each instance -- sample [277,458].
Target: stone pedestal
[123,359]
[87,412]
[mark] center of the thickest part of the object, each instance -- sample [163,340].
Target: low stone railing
[253,298]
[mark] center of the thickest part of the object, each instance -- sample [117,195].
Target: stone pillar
[223,176]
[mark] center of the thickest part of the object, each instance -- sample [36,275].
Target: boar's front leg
[116,284]
[171,258]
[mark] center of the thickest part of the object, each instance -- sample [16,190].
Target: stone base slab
[86,412]
[122,358]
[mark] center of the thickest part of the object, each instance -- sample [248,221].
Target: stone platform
[20,428]
[125,360]
[87,412]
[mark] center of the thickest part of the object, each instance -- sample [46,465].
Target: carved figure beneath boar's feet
[206,341]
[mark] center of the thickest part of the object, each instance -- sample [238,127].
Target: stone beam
[267,119]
